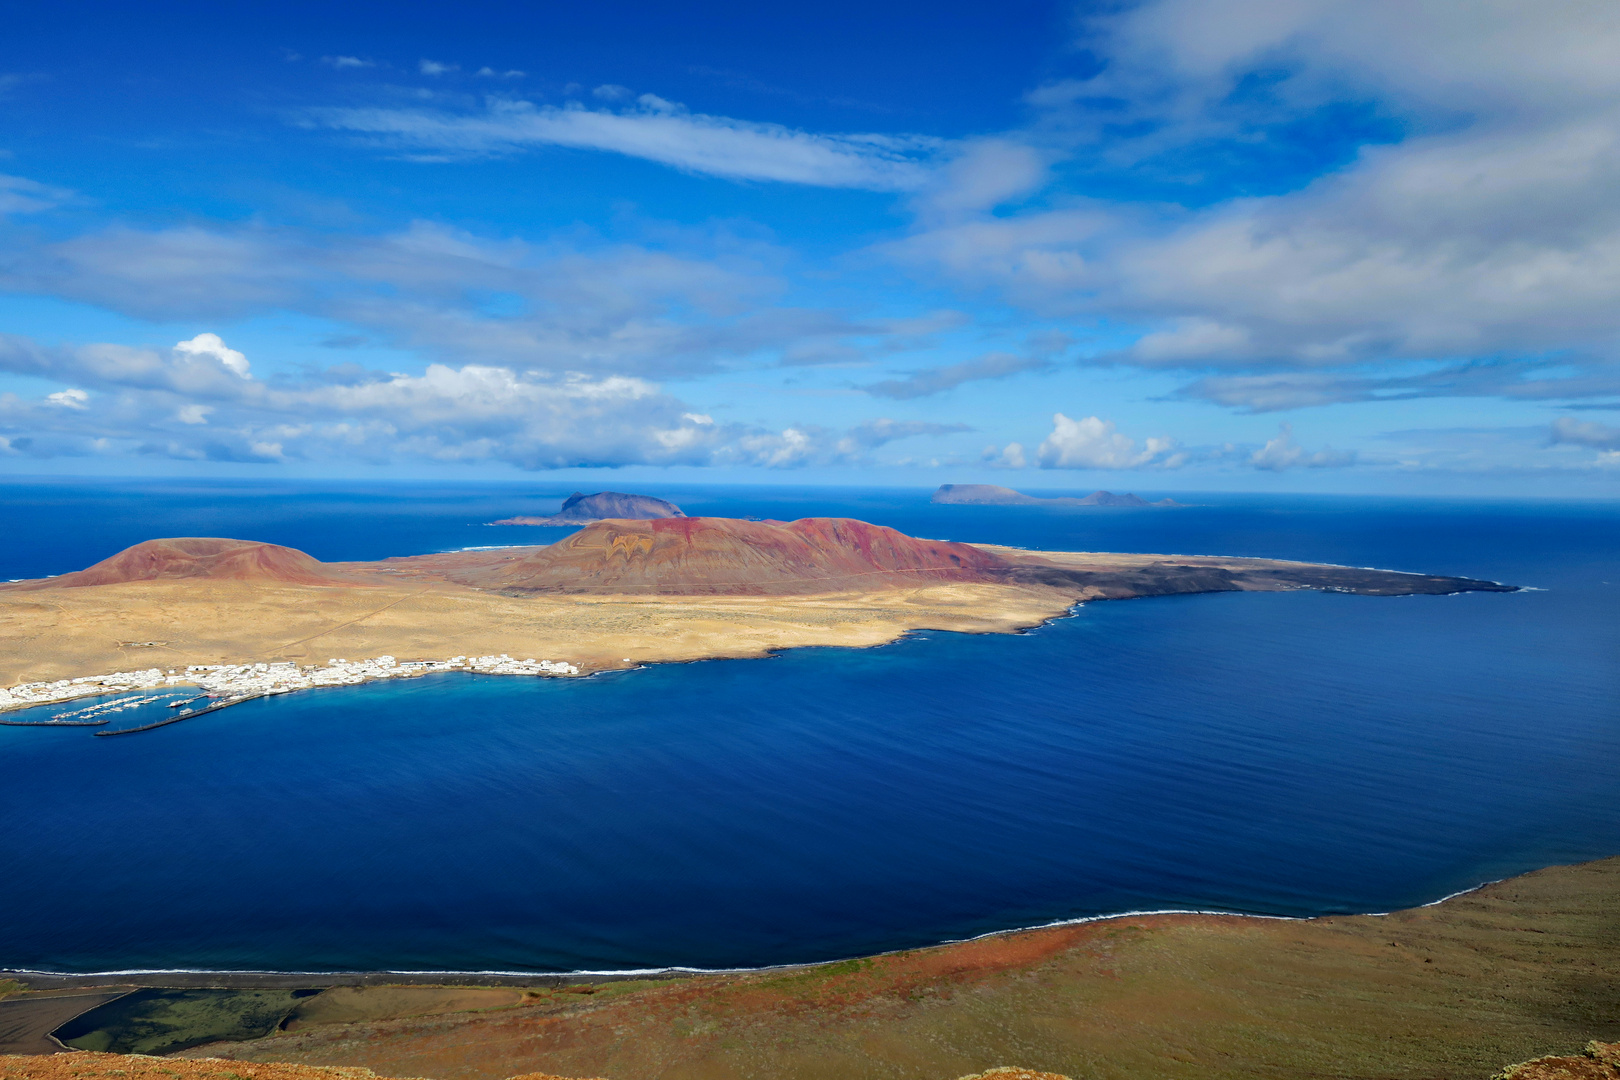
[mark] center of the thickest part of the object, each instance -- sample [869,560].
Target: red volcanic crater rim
[206,557]
[728,555]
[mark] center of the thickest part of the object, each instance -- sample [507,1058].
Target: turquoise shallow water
[1284,754]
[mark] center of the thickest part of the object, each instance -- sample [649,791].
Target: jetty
[166,721]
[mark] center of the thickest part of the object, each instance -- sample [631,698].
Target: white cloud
[600,308]
[187,404]
[612,92]
[1010,456]
[1490,230]
[433,67]
[68,399]
[212,345]
[998,365]
[1282,452]
[19,195]
[1567,429]
[342,62]
[1094,443]
[655,130]
[875,433]
[982,175]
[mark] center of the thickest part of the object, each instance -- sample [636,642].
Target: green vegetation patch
[166,1021]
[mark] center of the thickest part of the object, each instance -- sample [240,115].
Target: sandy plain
[68,633]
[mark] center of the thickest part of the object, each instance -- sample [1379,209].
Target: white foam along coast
[234,682]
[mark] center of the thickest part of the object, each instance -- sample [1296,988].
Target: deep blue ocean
[1282,754]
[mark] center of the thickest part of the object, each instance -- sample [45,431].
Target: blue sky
[1172,245]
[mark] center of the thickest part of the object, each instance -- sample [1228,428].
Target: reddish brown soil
[727,555]
[210,558]
[84,1065]
[1600,1061]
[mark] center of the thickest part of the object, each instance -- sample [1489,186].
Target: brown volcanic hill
[728,555]
[206,557]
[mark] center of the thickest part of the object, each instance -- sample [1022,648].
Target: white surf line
[799,966]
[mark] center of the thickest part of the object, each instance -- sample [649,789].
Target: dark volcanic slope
[581,509]
[728,555]
[204,557]
[1130,577]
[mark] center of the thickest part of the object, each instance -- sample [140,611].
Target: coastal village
[230,684]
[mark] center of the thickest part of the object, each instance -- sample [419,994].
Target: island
[992,495]
[237,619]
[582,509]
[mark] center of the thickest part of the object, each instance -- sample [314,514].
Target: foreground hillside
[1513,971]
[92,1066]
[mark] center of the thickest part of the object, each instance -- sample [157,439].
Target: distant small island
[582,509]
[992,495]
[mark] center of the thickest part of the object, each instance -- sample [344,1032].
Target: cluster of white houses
[236,681]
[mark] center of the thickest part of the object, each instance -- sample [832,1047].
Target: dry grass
[1519,969]
[64,633]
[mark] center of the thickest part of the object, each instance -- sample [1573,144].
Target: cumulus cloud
[211,345]
[1282,452]
[71,398]
[653,129]
[195,401]
[433,67]
[1094,443]
[343,62]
